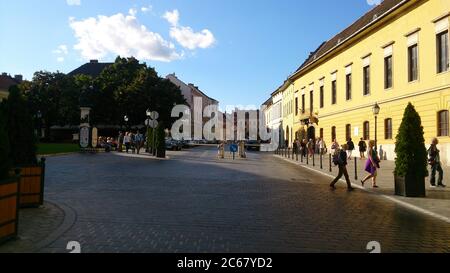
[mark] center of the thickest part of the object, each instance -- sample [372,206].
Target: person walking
[139,140]
[127,141]
[295,147]
[120,139]
[362,148]
[317,146]
[351,147]
[435,161]
[340,159]
[372,164]
[303,147]
[310,147]
[334,147]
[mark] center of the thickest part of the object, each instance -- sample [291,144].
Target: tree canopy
[127,87]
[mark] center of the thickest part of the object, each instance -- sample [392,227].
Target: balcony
[308,116]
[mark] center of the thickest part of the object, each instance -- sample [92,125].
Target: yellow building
[396,53]
[286,91]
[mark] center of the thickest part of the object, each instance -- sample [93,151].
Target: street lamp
[147,123]
[376,111]
[125,118]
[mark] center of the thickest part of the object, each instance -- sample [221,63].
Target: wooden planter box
[32,179]
[9,208]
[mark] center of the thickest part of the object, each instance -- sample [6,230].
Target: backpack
[337,158]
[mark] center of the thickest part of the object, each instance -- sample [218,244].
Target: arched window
[366,130]
[333,133]
[388,128]
[443,123]
[348,132]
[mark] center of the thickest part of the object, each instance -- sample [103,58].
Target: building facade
[191,93]
[395,54]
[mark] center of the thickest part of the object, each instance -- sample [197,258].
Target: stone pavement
[35,226]
[437,201]
[197,203]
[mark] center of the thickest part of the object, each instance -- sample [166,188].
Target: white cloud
[120,35]
[73,2]
[374,2]
[189,39]
[147,8]
[62,50]
[186,36]
[132,12]
[172,17]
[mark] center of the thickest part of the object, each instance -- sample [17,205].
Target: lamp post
[148,113]
[376,111]
[125,118]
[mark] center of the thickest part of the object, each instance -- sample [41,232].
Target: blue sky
[237,51]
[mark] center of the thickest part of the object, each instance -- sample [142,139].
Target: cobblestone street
[197,203]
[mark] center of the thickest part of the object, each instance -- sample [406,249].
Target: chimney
[4,74]
[94,62]
[18,78]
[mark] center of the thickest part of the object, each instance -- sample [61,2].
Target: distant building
[189,92]
[93,68]
[6,81]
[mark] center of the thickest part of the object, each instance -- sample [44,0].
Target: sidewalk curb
[141,156]
[392,199]
[70,217]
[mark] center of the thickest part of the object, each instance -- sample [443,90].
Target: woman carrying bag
[372,164]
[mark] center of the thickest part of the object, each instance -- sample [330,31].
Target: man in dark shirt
[362,148]
[435,162]
[350,147]
[342,165]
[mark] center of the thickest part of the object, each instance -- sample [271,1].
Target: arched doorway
[311,133]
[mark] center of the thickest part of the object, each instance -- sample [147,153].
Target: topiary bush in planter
[411,161]
[22,152]
[9,187]
[20,129]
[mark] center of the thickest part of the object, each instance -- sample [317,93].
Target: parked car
[173,145]
[253,145]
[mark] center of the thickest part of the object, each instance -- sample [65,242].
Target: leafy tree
[126,87]
[5,162]
[20,129]
[410,146]
[44,95]
[69,103]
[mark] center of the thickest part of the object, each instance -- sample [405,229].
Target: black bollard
[321,163]
[330,164]
[356,169]
[314,160]
[307,159]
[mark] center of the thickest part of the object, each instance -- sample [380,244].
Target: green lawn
[56,148]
